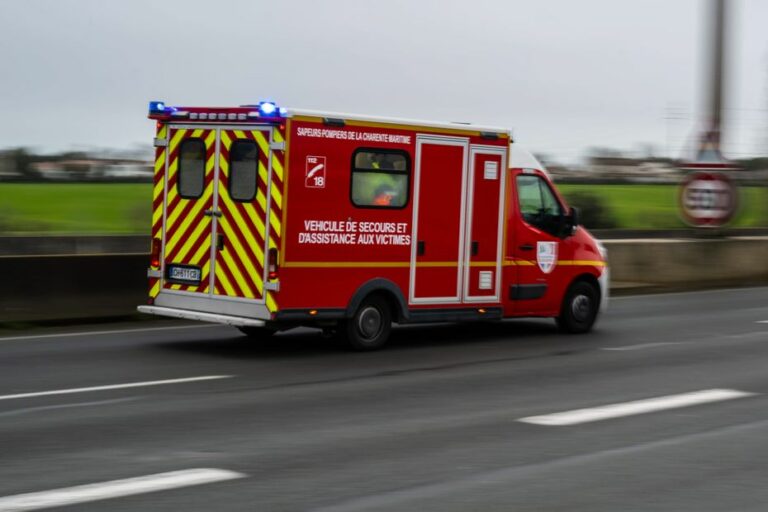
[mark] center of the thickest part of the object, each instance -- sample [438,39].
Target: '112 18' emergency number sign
[315,173]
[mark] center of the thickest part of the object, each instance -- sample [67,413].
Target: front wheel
[370,326]
[579,309]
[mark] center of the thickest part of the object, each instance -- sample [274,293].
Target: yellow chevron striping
[263,174]
[277,197]
[201,251]
[177,136]
[261,141]
[155,290]
[192,240]
[160,161]
[221,277]
[193,216]
[242,226]
[278,167]
[199,204]
[158,190]
[245,260]
[274,222]
[256,218]
[230,262]
[271,304]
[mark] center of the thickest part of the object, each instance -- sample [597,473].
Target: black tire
[580,307]
[258,333]
[369,327]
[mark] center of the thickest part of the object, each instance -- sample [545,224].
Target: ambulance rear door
[216,231]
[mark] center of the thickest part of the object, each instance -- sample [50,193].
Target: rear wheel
[370,326]
[579,309]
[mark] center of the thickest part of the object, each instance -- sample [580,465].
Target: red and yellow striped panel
[239,268]
[187,229]
[157,200]
[277,192]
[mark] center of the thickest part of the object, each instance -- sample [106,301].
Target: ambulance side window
[191,168]
[380,178]
[538,205]
[243,162]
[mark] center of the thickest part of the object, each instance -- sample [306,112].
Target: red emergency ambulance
[268,218]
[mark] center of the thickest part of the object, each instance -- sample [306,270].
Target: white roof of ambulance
[397,120]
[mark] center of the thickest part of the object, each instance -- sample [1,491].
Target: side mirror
[570,222]
[575,220]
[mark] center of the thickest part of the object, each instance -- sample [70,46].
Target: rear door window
[191,168]
[243,165]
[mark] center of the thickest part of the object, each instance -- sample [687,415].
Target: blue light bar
[267,108]
[156,107]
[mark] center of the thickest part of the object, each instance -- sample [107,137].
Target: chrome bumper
[200,316]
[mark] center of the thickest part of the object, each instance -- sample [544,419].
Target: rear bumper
[187,314]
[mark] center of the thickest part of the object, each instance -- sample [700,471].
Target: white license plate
[184,274]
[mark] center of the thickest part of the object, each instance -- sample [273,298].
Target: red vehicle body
[268,218]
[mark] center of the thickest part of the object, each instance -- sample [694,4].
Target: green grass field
[75,208]
[655,206]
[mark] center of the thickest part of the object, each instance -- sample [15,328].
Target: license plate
[184,274]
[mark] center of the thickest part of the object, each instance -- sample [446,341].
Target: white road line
[27,410]
[661,403]
[762,321]
[645,345]
[115,489]
[116,331]
[114,386]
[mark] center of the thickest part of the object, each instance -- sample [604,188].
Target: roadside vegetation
[124,208]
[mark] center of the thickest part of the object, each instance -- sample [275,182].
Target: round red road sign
[707,199]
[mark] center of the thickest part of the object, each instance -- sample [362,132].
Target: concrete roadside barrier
[79,286]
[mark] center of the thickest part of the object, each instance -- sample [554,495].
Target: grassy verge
[76,208]
[655,206]
[93,209]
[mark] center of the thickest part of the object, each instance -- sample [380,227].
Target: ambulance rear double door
[458,218]
[222,240]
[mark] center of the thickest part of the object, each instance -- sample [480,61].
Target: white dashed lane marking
[114,386]
[115,489]
[662,403]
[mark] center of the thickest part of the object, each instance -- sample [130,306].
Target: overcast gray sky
[565,75]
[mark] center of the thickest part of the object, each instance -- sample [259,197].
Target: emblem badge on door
[546,256]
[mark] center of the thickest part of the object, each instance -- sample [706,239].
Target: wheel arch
[588,278]
[387,289]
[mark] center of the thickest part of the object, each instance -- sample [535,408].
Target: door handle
[212,213]
[475,247]
[526,247]
[420,248]
[220,240]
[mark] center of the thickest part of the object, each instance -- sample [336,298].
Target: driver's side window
[538,204]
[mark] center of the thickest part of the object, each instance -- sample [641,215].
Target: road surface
[663,407]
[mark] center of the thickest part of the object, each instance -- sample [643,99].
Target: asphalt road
[431,423]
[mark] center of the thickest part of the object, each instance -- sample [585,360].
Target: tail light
[154,259]
[272,264]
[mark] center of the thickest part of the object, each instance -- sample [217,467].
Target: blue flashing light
[267,108]
[156,107]
[283,111]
